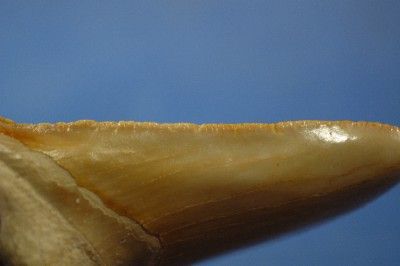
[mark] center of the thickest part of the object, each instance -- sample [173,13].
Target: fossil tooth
[107,193]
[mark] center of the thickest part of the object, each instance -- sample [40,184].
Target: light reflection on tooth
[331,134]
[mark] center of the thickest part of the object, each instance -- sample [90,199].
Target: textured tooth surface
[46,219]
[203,189]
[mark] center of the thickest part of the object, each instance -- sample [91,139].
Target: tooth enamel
[183,192]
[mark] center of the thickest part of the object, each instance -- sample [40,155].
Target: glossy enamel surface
[204,189]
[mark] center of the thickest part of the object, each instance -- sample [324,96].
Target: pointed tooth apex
[278,182]
[206,189]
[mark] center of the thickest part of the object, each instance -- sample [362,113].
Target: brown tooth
[182,192]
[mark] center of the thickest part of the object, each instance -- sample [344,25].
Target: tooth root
[46,219]
[205,189]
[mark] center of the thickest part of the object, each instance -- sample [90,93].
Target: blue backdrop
[217,61]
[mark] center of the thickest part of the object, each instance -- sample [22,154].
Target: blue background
[217,61]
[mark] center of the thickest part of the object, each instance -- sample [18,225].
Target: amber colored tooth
[150,193]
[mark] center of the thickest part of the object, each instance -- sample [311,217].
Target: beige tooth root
[150,193]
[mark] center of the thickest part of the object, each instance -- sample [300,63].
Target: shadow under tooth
[246,228]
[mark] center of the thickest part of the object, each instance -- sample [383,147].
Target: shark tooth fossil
[123,193]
